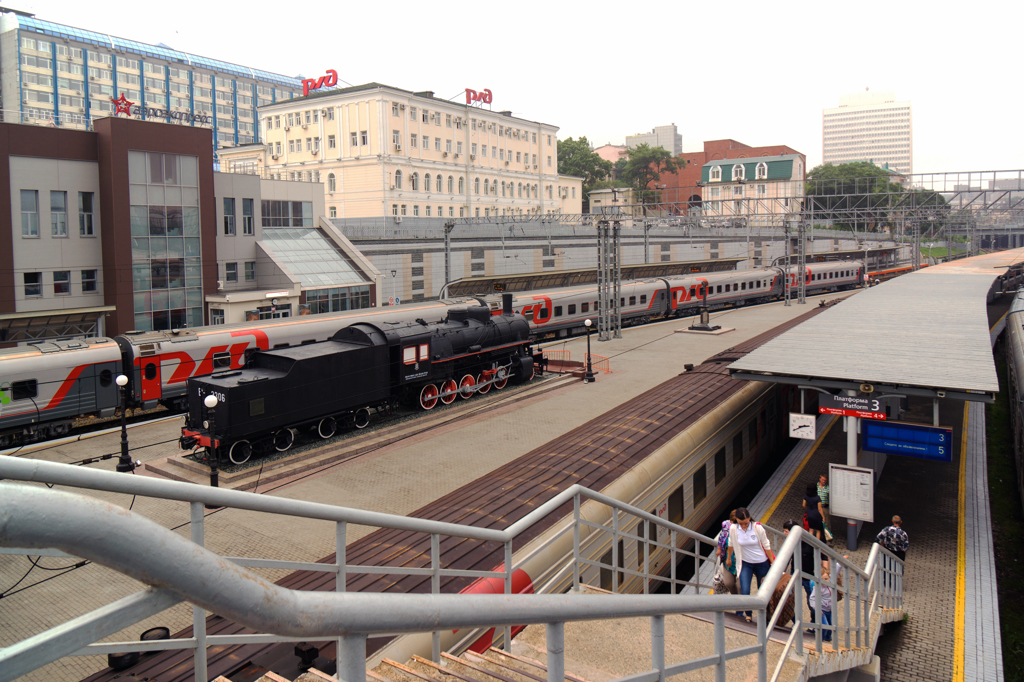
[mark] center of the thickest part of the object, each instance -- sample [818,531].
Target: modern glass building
[62,76]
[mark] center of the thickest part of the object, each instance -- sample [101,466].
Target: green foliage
[609,184]
[645,166]
[576,159]
[862,196]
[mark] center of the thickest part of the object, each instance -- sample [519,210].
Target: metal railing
[179,569]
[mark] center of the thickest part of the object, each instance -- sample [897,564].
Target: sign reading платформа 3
[850,406]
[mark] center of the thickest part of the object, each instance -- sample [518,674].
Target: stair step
[530,665]
[502,669]
[392,671]
[471,671]
[270,676]
[431,670]
[314,675]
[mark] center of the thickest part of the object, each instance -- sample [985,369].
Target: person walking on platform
[821,596]
[727,564]
[823,494]
[812,503]
[894,538]
[749,543]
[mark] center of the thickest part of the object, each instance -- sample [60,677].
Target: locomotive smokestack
[506,304]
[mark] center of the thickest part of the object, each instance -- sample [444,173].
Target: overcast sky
[758,72]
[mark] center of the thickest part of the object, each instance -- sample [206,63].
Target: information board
[851,406]
[851,492]
[803,426]
[909,440]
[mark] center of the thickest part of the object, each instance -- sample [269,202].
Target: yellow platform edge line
[961,557]
[789,483]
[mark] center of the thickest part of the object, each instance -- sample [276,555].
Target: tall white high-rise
[869,126]
[666,137]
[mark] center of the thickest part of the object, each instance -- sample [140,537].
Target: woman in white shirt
[753,552]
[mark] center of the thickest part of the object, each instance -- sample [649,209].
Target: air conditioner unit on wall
[398,147]
[398,218]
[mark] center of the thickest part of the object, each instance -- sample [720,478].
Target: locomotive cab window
[424,352]
[219,360]
[571,310]
[23,390]
[409,355]
[584,307]
[558,311]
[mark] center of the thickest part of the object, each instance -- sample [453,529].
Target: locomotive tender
[44,387]
[363,368]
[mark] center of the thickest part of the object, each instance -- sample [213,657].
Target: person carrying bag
[749,543]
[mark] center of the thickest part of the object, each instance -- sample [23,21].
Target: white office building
[869,126]
[666,137]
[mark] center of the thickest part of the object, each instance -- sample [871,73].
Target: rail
[35,520]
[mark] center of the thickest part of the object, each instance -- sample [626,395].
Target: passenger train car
[562,313]
[1015,382]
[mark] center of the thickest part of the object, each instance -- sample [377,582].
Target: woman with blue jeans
[753,553]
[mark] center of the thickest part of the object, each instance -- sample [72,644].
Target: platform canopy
[925,333]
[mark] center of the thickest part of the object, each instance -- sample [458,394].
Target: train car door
[149,370]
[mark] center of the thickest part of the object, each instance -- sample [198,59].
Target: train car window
[256,407]
[830,275]
[606,573]
[727,289]
[693,291]
[150,371]
[743,286]
[558,311]
[675,506]
[632,300]
[643,299]
[409,355]
[106,378]
[700,485]
[544,314]
[528,314]
[719,466]
[737,449]
[424,351]
[596,306]
[752,435]
[572,309]
[622,302]
[719,289]
[652,533]
[23,390]
[219,360]
[584,307]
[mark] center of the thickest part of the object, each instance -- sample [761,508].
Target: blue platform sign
[909,440]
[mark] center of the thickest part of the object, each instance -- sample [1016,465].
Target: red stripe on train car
[521,584]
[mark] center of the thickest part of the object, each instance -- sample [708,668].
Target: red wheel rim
[449,387]
[482,387]
[467,387]
[500,379]
[428,397]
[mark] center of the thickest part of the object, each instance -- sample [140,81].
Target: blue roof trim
[81,35]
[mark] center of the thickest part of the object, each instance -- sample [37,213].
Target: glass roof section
[310,257]
[112,43]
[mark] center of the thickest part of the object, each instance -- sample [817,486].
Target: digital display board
[909,440]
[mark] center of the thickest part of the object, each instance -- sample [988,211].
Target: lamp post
[589,376]
[211,402]
[124,463]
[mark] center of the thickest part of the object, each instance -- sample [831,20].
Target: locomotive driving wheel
[483,383]
[428,397]
[284,439]
[451,388]
[467,387]
[501,378]
[326,428]
[240,452]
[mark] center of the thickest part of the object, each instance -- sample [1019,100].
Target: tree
[576,159]
[862,196]
[645,165]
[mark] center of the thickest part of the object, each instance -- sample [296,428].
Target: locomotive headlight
[210,401]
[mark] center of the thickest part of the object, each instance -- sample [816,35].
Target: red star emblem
[122,105]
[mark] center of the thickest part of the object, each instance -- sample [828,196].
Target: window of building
[394,108]
[354,140]
[426,182]
[364,138]
[33,283]
[462,185]
[716,173]
[476,185]
[291,146]
[413,141]
[414,182]
[61,282]
[416,210]
[333,211]
[437,144]
[451,185]
[412,113]
[396,138]
[88,281]
[58,214]
[229,216]
[448,146]
[216,316]
[426,116]
[250,271]
[403,209]
[332,184]
[762,190]
[398,179]
[762,170]
[458,147]
[738,172]
[437,183]
[309,144]
[248,227]
[448,120]
[428,211]
[394,209]
[231,272]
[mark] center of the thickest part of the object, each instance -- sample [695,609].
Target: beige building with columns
[384,151]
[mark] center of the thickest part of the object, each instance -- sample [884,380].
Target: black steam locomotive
[363,369]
